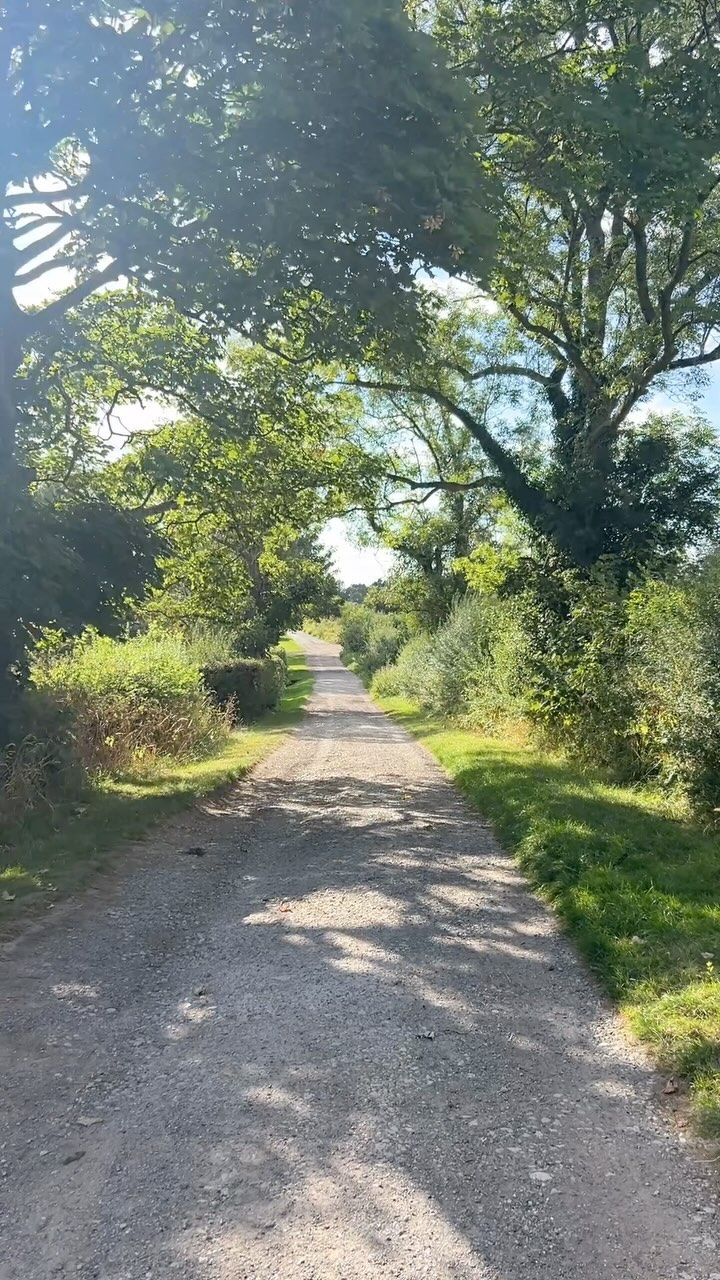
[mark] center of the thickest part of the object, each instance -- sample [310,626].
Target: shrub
[41,764]
[471,668]
[412,675]
[328,629]
[582,695]
[370,639]
[248,687]
[132,700]
[674,639]
[630,679]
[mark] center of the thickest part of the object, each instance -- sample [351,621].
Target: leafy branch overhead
[603,132]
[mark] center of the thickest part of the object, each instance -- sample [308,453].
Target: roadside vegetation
[54,848]
[328,629]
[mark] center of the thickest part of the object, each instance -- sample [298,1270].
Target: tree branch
[39,321]
[47,242]
[42,268]
[447,486]
[637,230]
[692,362]
[530,499]
[505,371]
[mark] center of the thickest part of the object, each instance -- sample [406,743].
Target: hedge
[254,684]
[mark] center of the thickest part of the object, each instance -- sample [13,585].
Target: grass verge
[635,884]
[55,853]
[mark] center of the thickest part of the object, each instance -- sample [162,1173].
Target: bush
[412,675]
[470,669]
[248,687]
[629,679]
[674,642]
[370,639]
[41,764]
[328,629]
[625,678]
[131,701]
[581,690]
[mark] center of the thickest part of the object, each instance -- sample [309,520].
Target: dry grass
[54,850]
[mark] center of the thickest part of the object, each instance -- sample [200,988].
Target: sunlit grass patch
[636,884]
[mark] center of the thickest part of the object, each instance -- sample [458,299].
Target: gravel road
[347,1043]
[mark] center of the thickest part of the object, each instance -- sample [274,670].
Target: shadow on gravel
[394,1068]
[420,1048]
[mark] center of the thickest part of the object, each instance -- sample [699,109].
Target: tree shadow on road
[392,1065]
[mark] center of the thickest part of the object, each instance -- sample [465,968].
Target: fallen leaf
[88,1121]
[285,906]
[7,897]
[426,1035]
[671,1086]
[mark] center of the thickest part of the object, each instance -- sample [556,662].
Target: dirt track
[345,1044]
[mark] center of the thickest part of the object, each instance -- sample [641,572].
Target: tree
[240,496]
[244,160]
[603,128]
[439,499]
[221,155]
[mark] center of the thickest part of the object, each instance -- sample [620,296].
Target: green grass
[55,853]
[636,885]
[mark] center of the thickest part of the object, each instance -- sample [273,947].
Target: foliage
[248,687]
[240,493]
[581,689]
[355,593]
[55,850]
[69,563]
[214,211]
[412,674]
[370,639]
[271,166]
[328,629]
[437,502]
[634,884]
[132,701]
[488,569]
[628,680]
[471,668]
[602,128]
[40,763]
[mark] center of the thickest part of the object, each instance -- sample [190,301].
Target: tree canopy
[603,133]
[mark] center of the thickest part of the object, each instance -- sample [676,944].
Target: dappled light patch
[634,882]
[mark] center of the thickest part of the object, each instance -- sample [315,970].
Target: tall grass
[56,849]
[134,701]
